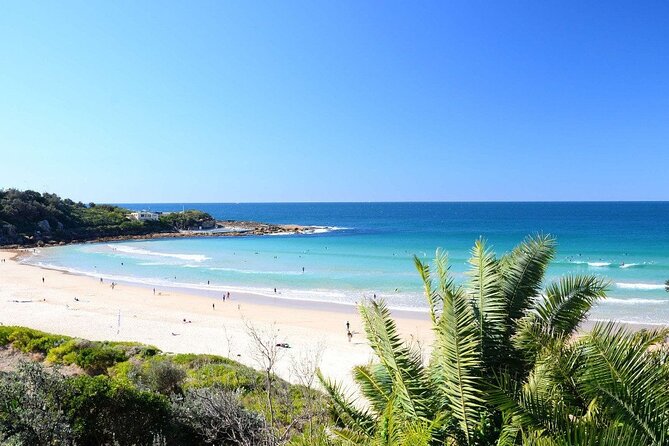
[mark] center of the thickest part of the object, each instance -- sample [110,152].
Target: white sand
[158,320]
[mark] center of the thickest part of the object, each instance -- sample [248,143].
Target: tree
[506,367]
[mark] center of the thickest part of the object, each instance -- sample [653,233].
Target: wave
[324,229]
[247,271]
[634,301]
[593,264]
[629,321]
[608,264]
[146,252]
[313,230]
[599,264]
[640,286]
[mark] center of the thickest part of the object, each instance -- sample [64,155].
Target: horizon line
[388,202]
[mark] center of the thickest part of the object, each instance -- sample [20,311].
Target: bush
[28,340]
[106,412]
[93,357]
[218,417]
[31,401]
[164,376]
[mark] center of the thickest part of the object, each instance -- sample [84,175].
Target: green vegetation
[508,368]
[132,394]
[28,217]
[190,219]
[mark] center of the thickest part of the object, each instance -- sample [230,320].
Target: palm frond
[488,302]
[567,301]
[402,363]
[434,301]
[456,361]
[619,373]
[359,423]
[522,273]
[527,406]
[585,434]
[376,385]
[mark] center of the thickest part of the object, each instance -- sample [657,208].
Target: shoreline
[81,306]
[217,327]
[213,292]
[228,228]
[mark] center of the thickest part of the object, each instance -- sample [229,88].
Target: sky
[244,101]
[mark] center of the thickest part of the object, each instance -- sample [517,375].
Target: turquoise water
[367,248]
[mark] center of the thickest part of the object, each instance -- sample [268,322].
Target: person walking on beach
[43,282]
[213,306]
[350,335]
[348,326]
[228,295]
[154,291]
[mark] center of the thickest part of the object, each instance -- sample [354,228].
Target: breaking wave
[139,251]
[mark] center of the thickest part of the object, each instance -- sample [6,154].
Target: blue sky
[132,101]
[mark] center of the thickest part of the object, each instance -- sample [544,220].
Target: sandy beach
[84,307]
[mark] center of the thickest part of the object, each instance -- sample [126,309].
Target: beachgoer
[207,282]
[213,306]
[274,288]
[228,295]
[302,269]
[348,326]
[100,279]
[42,279]
[154,291]
[350,336]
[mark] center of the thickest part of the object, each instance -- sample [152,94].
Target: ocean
[366,249]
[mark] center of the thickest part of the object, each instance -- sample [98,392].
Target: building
[145,216]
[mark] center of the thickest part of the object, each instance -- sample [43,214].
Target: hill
[30,218]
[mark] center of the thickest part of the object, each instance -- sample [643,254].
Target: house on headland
[145,216]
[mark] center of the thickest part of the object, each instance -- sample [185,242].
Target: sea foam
[599,264]
[640,286]
[139,251]
[634,301]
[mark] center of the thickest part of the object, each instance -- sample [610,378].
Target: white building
[145,215]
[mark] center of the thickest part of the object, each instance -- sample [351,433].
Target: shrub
[107,412]
[164,376]
[218,416]
[31,401]
[30,341]
[93,357]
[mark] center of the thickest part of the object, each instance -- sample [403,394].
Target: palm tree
[506,367]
